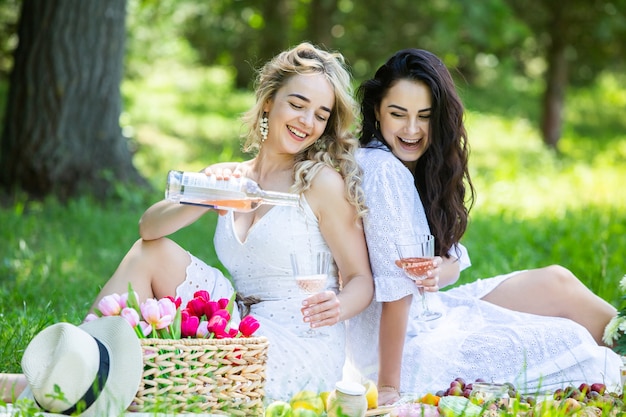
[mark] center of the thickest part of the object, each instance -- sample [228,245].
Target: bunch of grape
[459,387]
[571,398]
[594,395]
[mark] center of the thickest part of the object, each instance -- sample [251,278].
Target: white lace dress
[260,266]
[474,338]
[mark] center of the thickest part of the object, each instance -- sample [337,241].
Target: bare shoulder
[328,180]
[327,193]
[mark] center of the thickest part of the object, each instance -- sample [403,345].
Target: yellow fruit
[430,399]
[324,396]
[371,394]
[308,400]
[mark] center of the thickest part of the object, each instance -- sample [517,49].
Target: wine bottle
[239,194]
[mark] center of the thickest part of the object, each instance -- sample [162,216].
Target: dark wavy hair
[441,174]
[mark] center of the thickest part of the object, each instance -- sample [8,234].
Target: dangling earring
[319,145]
[264,127]
[377,125]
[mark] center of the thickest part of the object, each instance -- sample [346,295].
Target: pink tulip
[146,328]
[110,305]
[248,326]
[188,324]
[177,301]
[124,299]
[131,316]
[203,329]
[158,314]
[90,317]
[167,308]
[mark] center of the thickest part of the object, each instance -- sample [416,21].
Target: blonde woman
[299,130]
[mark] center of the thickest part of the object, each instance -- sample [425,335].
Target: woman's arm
[393,324]
[344,235]
[394,209]
[166,217]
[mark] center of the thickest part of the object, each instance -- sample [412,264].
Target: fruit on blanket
[307,400]
[454,406]
[430,399]
[303,412]
[324,396]
[278,409]
[371,394]
[598,387]
[583,400]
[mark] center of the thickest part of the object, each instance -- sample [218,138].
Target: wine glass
[311,274]
[416,259]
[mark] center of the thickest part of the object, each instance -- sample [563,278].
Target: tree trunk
[321,22]
[556,85]
[61,129]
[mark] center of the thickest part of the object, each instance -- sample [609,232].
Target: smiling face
[299,112]
[404,116]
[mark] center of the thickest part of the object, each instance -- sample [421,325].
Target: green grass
[534,208]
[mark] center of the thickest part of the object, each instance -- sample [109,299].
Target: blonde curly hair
[337,145]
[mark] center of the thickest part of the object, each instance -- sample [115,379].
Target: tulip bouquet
[615,331]
[164,318]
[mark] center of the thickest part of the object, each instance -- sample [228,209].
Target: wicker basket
[220,376]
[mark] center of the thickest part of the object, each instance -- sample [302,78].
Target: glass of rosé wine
[311,273]
[416,259]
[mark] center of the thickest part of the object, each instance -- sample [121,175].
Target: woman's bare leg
[154,268]
[11,386]
[554,291]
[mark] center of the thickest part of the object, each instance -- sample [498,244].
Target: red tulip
[223,302]
[188,324]
[248,326]
[222,313]
[217,325]
[210,308]
[196,306]
[202,294]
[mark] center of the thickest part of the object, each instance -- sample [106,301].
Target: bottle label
[200,180]
[201,186]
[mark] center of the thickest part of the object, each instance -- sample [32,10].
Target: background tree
[61,128]
[578,39]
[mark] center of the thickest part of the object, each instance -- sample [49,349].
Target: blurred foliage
[486,43]
[9,11]
[473,37]
[468,35]
[593,32]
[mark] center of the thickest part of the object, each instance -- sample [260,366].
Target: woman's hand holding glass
[417,259]
[321,307]
[431,282]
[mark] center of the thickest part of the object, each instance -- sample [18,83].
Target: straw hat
[89,370]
